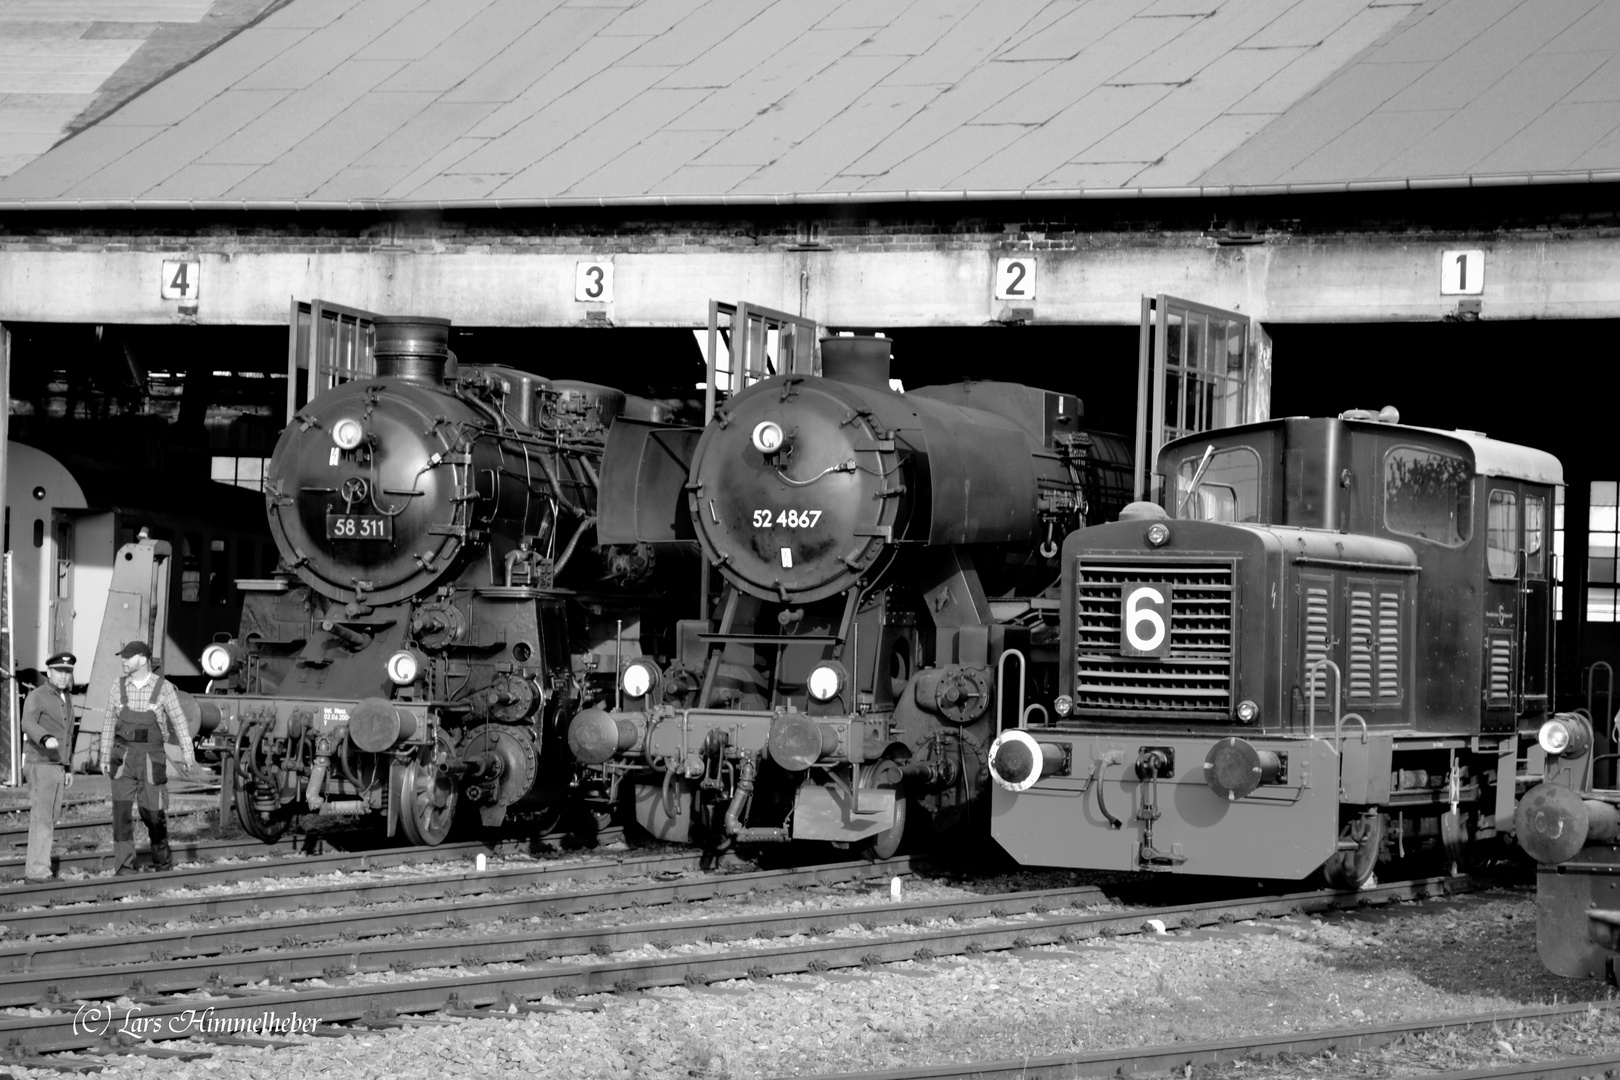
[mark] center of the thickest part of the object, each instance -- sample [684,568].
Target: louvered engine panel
[1194,680]
[1373,676]
[1316,631]
[1499,669]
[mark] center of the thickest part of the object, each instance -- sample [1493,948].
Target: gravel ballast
[1472,954]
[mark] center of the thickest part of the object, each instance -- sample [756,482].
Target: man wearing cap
[142,711]
[47,723]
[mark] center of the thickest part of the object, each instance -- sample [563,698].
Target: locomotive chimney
[860,360]
[415,348]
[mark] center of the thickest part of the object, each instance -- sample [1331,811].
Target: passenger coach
[1320,654]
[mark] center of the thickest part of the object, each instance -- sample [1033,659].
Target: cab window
[1502,534]
[1429,495]
[1227,488]
[1535,528]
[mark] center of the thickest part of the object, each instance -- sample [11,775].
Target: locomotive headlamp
[1158,534]
[768,436]
[1565,735]
[348,434]
[639,679]
[405,667]
[221,658]
[1248,712]
[1063,705]
[825,682]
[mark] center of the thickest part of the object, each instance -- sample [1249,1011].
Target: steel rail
[53,956]
[331,845]
[1180,1056]
[72,830]
[306,855]
[188,849]
[70,920]
[1568,1068]
[88,1024]
[57,986]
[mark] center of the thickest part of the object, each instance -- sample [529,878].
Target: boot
[157,828]
[123,837]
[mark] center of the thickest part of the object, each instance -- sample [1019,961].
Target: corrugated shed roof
[350,102]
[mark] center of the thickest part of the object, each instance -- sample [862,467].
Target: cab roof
[1492,457]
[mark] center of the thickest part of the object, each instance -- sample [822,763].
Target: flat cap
[136,648]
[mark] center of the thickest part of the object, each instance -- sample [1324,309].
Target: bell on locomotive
[421,642]
[880,563]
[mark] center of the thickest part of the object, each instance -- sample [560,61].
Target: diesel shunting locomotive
[1323,653]
[885,565]
[441,607]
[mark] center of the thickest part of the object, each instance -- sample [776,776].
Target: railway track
[1182,1056]
[530,966]
[36,910]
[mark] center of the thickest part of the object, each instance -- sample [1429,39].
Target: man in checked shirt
[142,711]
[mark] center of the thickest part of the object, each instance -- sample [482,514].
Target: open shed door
[748,342]
[1198,368]
[327,345]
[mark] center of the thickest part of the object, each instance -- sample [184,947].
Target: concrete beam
[1315,279]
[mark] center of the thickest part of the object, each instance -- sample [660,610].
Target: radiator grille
[1318,635]
[1195,680]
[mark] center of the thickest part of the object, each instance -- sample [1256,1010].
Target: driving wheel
[427,803]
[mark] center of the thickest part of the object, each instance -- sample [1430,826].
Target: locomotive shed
[205,205]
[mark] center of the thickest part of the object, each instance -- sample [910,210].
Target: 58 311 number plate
[359,527]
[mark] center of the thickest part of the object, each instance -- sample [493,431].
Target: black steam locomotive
[441,606]
[886,562]
[1324,653]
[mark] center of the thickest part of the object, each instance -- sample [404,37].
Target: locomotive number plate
[1145,619]
[359,527]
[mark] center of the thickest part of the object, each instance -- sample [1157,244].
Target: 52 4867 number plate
[786,519]
[359,527]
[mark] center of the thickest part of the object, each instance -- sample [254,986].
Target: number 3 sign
[593,282]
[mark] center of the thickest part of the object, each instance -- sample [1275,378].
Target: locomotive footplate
[1149,800]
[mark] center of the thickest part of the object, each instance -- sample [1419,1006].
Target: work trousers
[45,784]
[133,786]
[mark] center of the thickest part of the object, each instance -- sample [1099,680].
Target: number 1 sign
[1462,273]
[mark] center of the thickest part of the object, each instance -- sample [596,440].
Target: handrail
[1310,694]
[1338,730]
[1001,684]
[1046,719]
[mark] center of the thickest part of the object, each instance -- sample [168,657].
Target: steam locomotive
[441,605]
[1324,653]
[886,563]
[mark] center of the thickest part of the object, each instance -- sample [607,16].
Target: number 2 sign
[593,282]
[1462,273]
[1015,279]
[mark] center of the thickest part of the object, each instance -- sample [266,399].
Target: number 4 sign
[1462,273]
[1015,279]
[180,281]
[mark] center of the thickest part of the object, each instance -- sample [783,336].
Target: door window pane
[1502,534]
[1535,529]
